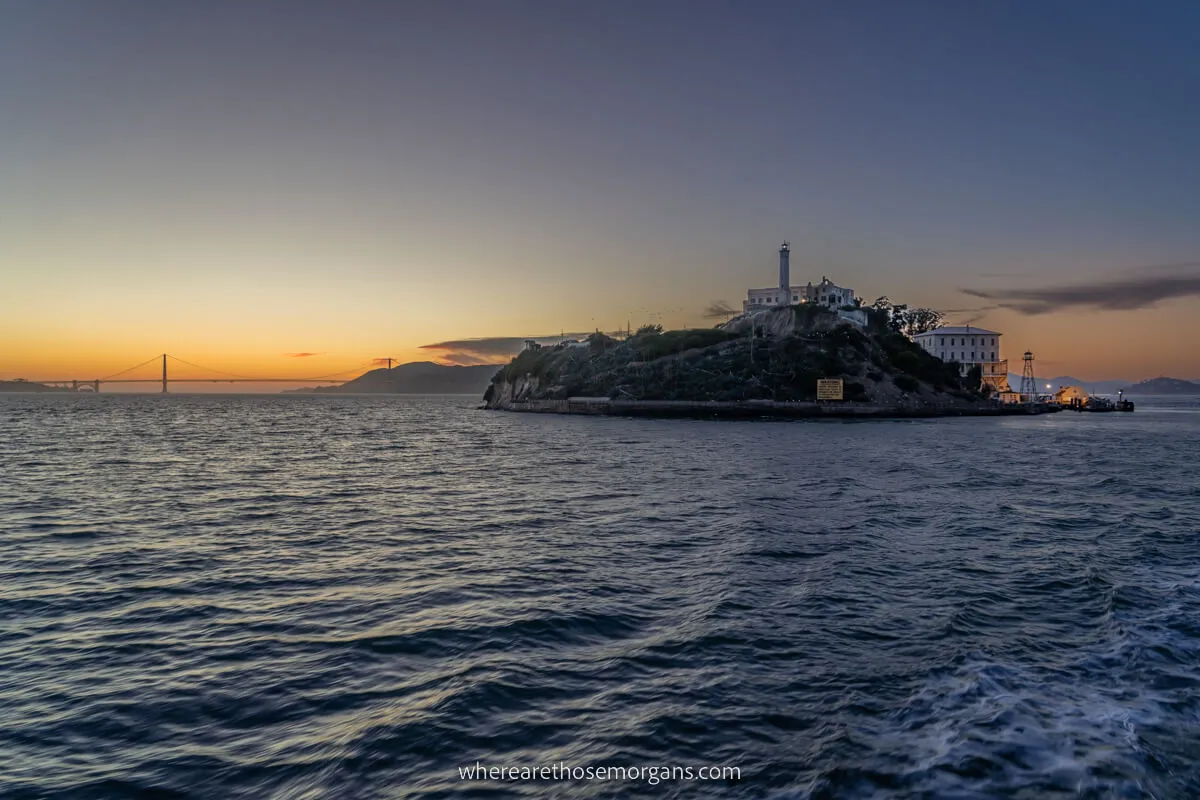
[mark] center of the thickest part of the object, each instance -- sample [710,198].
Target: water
[302,597]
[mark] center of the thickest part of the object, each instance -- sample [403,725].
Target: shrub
[907,383]
[670,343]
[907,361]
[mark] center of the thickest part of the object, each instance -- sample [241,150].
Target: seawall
[756,409]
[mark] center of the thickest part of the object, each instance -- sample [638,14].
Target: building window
[795,297]
[993,355]
[972,355]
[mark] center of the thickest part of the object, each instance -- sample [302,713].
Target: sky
[296,188]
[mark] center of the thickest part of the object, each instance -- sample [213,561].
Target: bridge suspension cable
[367,365]
[252,377]
[230,376]
[210,369]
[131,369]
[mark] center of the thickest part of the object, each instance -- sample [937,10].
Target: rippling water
[302,597]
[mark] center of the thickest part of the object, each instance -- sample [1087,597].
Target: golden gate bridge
[220,376]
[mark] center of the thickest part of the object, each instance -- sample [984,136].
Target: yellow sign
[829,388]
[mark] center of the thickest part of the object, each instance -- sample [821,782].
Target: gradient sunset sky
[237,183]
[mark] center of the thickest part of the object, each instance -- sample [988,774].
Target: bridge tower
[164,379]
[96,386]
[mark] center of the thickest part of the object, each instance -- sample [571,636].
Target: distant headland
[1164,386]
[21,385]
[418,377]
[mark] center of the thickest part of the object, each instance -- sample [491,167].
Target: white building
[969,347]
[825,293]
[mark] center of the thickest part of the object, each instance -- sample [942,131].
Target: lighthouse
[785,277]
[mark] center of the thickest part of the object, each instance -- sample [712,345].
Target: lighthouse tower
[785,276]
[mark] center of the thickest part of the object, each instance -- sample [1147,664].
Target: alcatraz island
[794,351]
[771,364]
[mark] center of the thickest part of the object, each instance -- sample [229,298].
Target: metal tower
[1028,384]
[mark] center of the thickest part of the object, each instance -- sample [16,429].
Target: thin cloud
[465,359]
[489,349]
[979,310]
[1121,295]
[302,355]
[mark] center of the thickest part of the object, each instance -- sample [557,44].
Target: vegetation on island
[776,354]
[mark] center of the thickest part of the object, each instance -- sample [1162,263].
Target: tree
[974,378]
[649,330]
[901,319]
[896,314]
[919,320]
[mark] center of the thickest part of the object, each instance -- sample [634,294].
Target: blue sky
[247,179]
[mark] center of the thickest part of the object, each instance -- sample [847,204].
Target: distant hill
[1164,386]
[1152,386]
[1093,387]
[418,377]
[28,386]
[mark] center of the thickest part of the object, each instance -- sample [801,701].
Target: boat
[1103,404]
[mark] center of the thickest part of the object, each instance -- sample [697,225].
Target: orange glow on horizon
[1088,346]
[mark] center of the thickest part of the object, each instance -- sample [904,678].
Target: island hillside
[773,355]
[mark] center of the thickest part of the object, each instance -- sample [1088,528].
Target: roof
[957,330]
